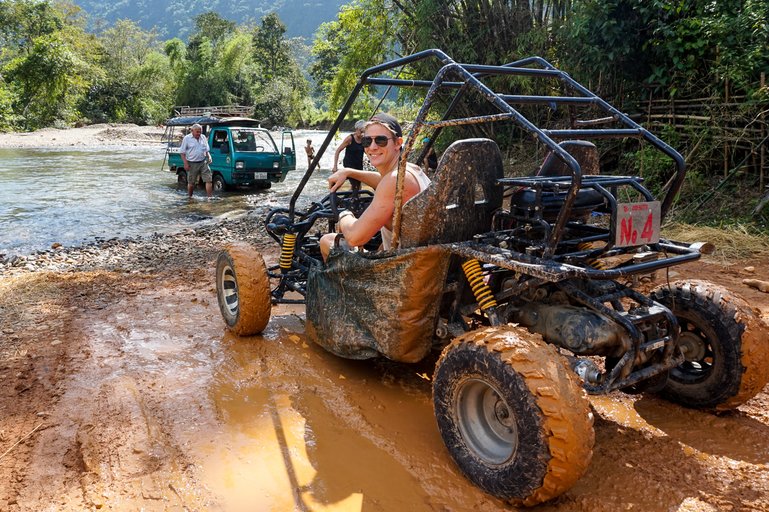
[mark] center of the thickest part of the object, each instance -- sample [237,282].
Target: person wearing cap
[382,141]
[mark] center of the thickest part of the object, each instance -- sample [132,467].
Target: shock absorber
[287,252]
[593,262]
[481,290]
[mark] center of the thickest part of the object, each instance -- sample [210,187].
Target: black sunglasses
[381,141]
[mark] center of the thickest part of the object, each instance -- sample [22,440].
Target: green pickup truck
[243,153]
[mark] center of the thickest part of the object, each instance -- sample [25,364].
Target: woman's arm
[344,144]
[379,213]
[368,178]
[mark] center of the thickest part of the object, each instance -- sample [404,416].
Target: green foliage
[213,27]
[22,21]
[271,50]
[8,117]
[138,81]
[363,35]
[46,62]
[326,49]
[48,81]
[602,40]
[275,102]
[279,89]
[172,17]
[680,45]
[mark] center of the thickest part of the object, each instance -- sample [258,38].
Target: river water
[77,196]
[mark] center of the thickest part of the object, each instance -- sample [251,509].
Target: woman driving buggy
[382,141]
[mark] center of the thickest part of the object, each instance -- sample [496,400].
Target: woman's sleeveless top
[353,155]
[424,181]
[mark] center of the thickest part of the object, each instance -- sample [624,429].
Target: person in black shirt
[353,154]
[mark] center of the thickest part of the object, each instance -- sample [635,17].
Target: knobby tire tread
[742,327]
[254,302]
[567,428]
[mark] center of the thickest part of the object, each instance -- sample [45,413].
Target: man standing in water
[196,157]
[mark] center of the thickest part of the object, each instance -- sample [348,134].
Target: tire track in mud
[158,407]
[112,437]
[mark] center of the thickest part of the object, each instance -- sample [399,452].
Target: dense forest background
[172,18]
[693,70]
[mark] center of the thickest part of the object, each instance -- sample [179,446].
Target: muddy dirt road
[121,390]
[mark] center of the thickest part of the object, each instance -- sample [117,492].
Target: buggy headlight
[240,165]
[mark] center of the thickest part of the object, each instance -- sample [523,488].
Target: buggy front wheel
[723,343]
[243,289]
[513,415]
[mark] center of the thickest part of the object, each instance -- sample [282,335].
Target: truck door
[288,151]
[221,153]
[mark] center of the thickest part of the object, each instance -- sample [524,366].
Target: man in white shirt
[196,157]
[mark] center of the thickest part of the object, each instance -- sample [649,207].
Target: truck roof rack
[217,111]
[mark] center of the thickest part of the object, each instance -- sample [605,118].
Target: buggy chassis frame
[544,263]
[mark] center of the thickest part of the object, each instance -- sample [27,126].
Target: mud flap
[362,305]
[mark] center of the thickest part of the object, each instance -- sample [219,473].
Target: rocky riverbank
[155,253]
[105,134]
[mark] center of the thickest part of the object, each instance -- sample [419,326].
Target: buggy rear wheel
[513,415]
[723,342]
[243,289]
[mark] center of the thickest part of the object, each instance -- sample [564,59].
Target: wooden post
[762,159]
[726,143]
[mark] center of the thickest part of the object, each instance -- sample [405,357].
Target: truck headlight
[275,164]
[240,165]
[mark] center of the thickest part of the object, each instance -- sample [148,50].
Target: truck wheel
[181,179]
[243,289]
[512,414]
[723,342]
[218,183]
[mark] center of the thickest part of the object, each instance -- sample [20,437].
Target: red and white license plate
[637,224]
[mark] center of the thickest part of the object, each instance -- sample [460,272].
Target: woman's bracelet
[345,213]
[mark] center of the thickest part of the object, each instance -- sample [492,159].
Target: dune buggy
[525,281]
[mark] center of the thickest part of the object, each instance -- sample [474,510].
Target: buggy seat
[461,198]
[524,202]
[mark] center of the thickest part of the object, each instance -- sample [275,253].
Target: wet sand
[105,134]
[123,391]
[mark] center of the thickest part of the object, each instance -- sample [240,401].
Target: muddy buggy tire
[724,343]
[243,289]
[513,415]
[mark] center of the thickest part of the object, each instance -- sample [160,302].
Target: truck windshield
[252,140]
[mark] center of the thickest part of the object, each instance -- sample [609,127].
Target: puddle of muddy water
[172,409]
[287,451]
[732,435]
